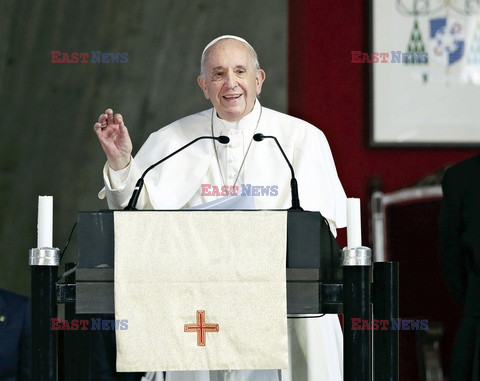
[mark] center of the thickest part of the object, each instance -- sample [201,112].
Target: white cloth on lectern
[169,266]
[177,183]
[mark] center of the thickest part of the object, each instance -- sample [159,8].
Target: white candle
[354,223]
[45,222]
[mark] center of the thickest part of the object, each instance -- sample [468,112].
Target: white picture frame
[426,104]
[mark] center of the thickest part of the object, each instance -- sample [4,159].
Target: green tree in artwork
[416,47]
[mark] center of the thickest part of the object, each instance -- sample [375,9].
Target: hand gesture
[114,138]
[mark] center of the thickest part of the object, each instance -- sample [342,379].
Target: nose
[230,80]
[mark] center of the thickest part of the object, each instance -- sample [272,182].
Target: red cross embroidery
[201,328]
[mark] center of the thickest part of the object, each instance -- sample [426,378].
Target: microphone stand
[293,182]
[139,185]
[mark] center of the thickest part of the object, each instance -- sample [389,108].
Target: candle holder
[357,264]
[44,264]
[45,256]
[356,256]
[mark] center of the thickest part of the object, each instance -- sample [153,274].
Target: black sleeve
[451,229]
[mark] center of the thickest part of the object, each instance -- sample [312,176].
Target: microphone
[139,185]
[293,182]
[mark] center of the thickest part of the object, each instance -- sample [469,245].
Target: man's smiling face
[230,79]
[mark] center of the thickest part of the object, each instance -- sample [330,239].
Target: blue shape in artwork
[447,39]
[436,24]
[457,54]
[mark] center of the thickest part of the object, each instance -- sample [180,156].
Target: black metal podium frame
[317,283]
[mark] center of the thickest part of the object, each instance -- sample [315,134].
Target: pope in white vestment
[193,177]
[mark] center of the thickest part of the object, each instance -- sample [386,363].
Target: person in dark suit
[15,337]
[459,224]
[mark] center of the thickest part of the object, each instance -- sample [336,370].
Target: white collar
[246,125]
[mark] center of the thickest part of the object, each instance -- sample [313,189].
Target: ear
[203,85]
[259,78]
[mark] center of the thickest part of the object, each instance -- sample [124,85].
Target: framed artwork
[424,73]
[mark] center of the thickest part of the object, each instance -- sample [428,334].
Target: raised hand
[113,136]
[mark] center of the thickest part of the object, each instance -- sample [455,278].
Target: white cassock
[190,178]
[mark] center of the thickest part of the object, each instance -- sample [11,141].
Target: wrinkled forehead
[227,50]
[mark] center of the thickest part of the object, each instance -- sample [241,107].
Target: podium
[315,285]
[313,265]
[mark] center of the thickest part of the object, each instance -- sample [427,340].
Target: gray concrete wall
[47,144]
